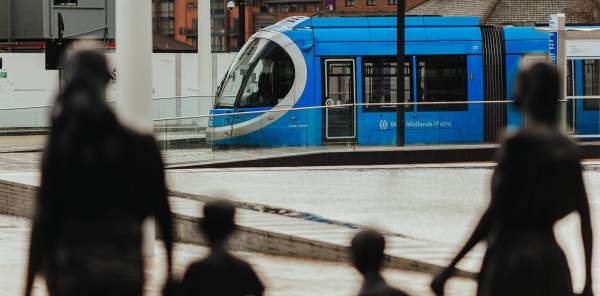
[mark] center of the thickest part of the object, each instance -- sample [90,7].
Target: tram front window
[235,76]
[269,80]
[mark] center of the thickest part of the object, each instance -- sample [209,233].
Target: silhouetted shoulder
[221,275]
[384,291]
[542,142]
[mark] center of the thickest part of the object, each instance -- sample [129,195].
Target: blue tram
[286,72]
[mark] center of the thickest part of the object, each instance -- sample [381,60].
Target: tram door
[340,90]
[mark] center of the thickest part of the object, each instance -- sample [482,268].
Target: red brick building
[263,13]
[514,12]
[186,21]
[360,7]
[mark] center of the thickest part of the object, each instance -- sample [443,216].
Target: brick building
[175,24]
[514,12]
[263,13]
[185,27]
[360,7]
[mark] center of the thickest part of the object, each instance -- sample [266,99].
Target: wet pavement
[439,204]
[283,276]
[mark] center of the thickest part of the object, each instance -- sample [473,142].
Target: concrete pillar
[205,60]
[134,63]
[134,72]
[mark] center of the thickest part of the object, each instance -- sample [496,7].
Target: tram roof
[453,33]
[377,22]
[379,29]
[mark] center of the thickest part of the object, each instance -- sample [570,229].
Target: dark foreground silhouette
[220,273]
[537,182]
[367,256]
[99,182]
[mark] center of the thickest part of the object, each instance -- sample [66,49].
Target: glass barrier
[186,135]
[189,117]
[24,120]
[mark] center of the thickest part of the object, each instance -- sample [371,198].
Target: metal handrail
[110,102]
[568,98]
[274,110]
[572,98]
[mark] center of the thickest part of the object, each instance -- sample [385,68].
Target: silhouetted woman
[537,182]
[99,182]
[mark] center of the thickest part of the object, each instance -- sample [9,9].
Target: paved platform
[283,276]
[352,155]
[438,203]
[15,144]
[189,150]
[282,235]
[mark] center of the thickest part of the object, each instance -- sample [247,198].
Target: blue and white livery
[287,72]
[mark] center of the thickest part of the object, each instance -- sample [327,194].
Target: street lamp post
[241,23]
[401,10]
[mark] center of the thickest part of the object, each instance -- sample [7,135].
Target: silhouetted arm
[586,227]
[162,210]
[481,231]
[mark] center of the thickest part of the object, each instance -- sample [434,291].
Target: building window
[66,2]
[371,2]
[270,79]
[392,2]
[350,3]
[166,28]
[217,7]
[218,43]
[380,82]
[166,9]
[442,79]
[591,86]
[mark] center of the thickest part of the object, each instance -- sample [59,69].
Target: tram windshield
[235,76]
[261,76]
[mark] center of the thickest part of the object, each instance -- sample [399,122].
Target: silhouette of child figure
[367,256]
[220,273]
[538,181]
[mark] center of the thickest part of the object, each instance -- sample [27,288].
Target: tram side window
[591,85]
[270,80]
[442,79]
[380,82]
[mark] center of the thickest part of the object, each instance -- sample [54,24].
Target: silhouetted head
[81,102]
[218,222]
[537,91]
[367,251]
[86,65]
[81,117]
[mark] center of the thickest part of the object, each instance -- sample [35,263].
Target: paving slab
[283,276]
[301,237]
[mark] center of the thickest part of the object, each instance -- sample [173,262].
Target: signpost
[556,51]
[401,11]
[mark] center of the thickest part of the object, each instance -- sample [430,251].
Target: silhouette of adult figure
[220,273]
[367,256]
[99,182]
[538,181]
